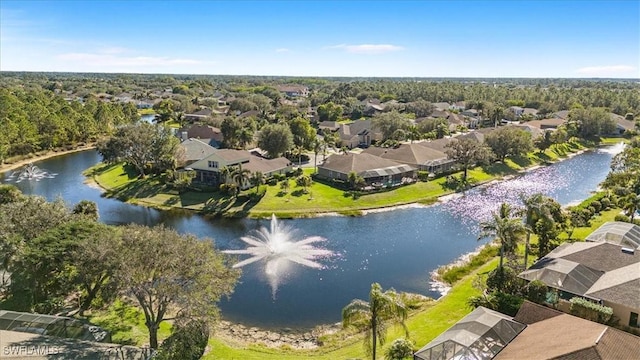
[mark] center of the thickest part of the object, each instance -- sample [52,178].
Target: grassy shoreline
[321,200]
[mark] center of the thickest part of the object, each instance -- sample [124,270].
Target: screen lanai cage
[616,232]
[58,326]
[478,336]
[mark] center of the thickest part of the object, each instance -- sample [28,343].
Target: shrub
[596,205]
[399,349]
[506,280]
[622,217]
[536,291]
[606,203]
[187,342]
[589,310]
[272,181]
[423,175]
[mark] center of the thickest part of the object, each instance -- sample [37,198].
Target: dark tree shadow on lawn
[522,161]
[298,192]
[498,169]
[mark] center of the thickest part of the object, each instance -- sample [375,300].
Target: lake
[398,248]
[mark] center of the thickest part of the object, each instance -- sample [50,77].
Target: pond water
[398,248]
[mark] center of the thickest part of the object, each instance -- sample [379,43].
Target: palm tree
[257,179]
[317,147]
[375,315]
[505,228]
[631,204]
[225,173]
[534,209]
[240,176]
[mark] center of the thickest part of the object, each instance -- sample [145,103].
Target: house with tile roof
[195,149]
[416,155]
[535,332]
[358,133]
[600,271]
[375,170]
[551,334]
[209,169]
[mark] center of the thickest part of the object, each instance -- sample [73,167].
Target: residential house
[372,107]
[209,169]
[471,113]
[459,106]
[603,272]
[622,124]
[199,115]
[442,106]
[438,144]
[516,110]
[145,104]
[195,149]
[534,131]
[416,155]
[293,90]
[547,124]
[562,114]
[199,131]
[481,335]
[551,334]
[329,125]
[530,111]
[375,170]
[358,133]
[535,332]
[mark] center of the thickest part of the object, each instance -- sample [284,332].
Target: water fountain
[30,172]
[277,249]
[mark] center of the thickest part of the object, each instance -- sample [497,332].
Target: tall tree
[275,139]
[169,273]
[382,308]
[509,141]
[387,123]
[467,152]
[329,112]
[144,146]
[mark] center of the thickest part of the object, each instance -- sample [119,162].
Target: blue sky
[325,38]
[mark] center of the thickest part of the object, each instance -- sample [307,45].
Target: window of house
[213,164]
[633,320]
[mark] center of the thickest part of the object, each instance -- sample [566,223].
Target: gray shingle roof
[366,165]
[598,270]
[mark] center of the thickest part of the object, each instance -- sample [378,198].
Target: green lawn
[320,198]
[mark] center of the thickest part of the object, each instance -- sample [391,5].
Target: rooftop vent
[627,250]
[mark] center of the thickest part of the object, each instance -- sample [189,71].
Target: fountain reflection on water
[30,172]
[277,249]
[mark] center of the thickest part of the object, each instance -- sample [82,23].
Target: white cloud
[282,50]
[367,48]
[111,58]
[606,70]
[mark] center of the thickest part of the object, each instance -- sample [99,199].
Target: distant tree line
[35,119]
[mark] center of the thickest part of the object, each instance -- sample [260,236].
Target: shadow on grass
[498,169]
[522,161]
[141,188]
[298,193]
[542,157]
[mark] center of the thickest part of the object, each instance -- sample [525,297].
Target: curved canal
[396,248]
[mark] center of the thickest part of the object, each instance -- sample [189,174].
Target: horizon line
[325,76]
